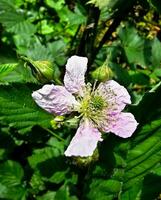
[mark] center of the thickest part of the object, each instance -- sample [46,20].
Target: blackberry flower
[100,108]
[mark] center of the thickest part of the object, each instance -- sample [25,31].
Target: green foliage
[11,174]
[13,20]
[122,41]
[156,4]
[19,110]
[137,50]
[6,69]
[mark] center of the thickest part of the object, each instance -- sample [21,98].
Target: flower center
[92,104]
[97,103]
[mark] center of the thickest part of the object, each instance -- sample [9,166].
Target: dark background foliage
[122,40]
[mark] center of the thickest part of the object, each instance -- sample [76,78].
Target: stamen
[92,103]
[94,86]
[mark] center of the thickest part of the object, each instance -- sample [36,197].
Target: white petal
[85,140]
[55,99]
[76,68]
[121,124]
[115,94]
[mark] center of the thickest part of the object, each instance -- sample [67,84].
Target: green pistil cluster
[92,105]
[97,102]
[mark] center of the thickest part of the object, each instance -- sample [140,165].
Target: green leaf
[37,182]
[156,49]
[6,69]
[130,162]
[137,49]
[41,155]
[50,195]
[142,158]
[18,109]
[58,177]
[103,189]
[24,27]
[11,175]
[156,4]
[13,20]
[14,193]
[20,74]
[39,52]
[149,105]
[57,5]
[151,187]
[50,163]
[62,193]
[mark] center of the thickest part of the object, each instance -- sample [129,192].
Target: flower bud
[42,70]
[85,161]
[102,73]
[72,123]
[57,122]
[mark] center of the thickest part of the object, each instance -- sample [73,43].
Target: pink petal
[122,124]
[55,99]
[116,95]
[76,68]
[85,140]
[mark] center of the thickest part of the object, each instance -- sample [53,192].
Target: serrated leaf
[21,74]
[41,155]
[103,189]
[137,49]
[50,164]
[18,109]
[11,175]
[7,68]
[7,5]
[23,27]
[39,52]
[13,20]
[14,193]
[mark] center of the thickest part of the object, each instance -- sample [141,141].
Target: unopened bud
[57,122]
[85,161]
[72,123]
[102,73]
[42,70]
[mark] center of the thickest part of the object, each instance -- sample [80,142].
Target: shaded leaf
[18,109]
[11,174]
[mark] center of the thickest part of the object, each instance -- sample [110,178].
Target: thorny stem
[86,47]
[108,34]
[88,38]
[74,38]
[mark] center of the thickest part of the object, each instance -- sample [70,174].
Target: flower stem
[54,134]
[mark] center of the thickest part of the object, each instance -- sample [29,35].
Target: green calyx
[42,70]
[102,73]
